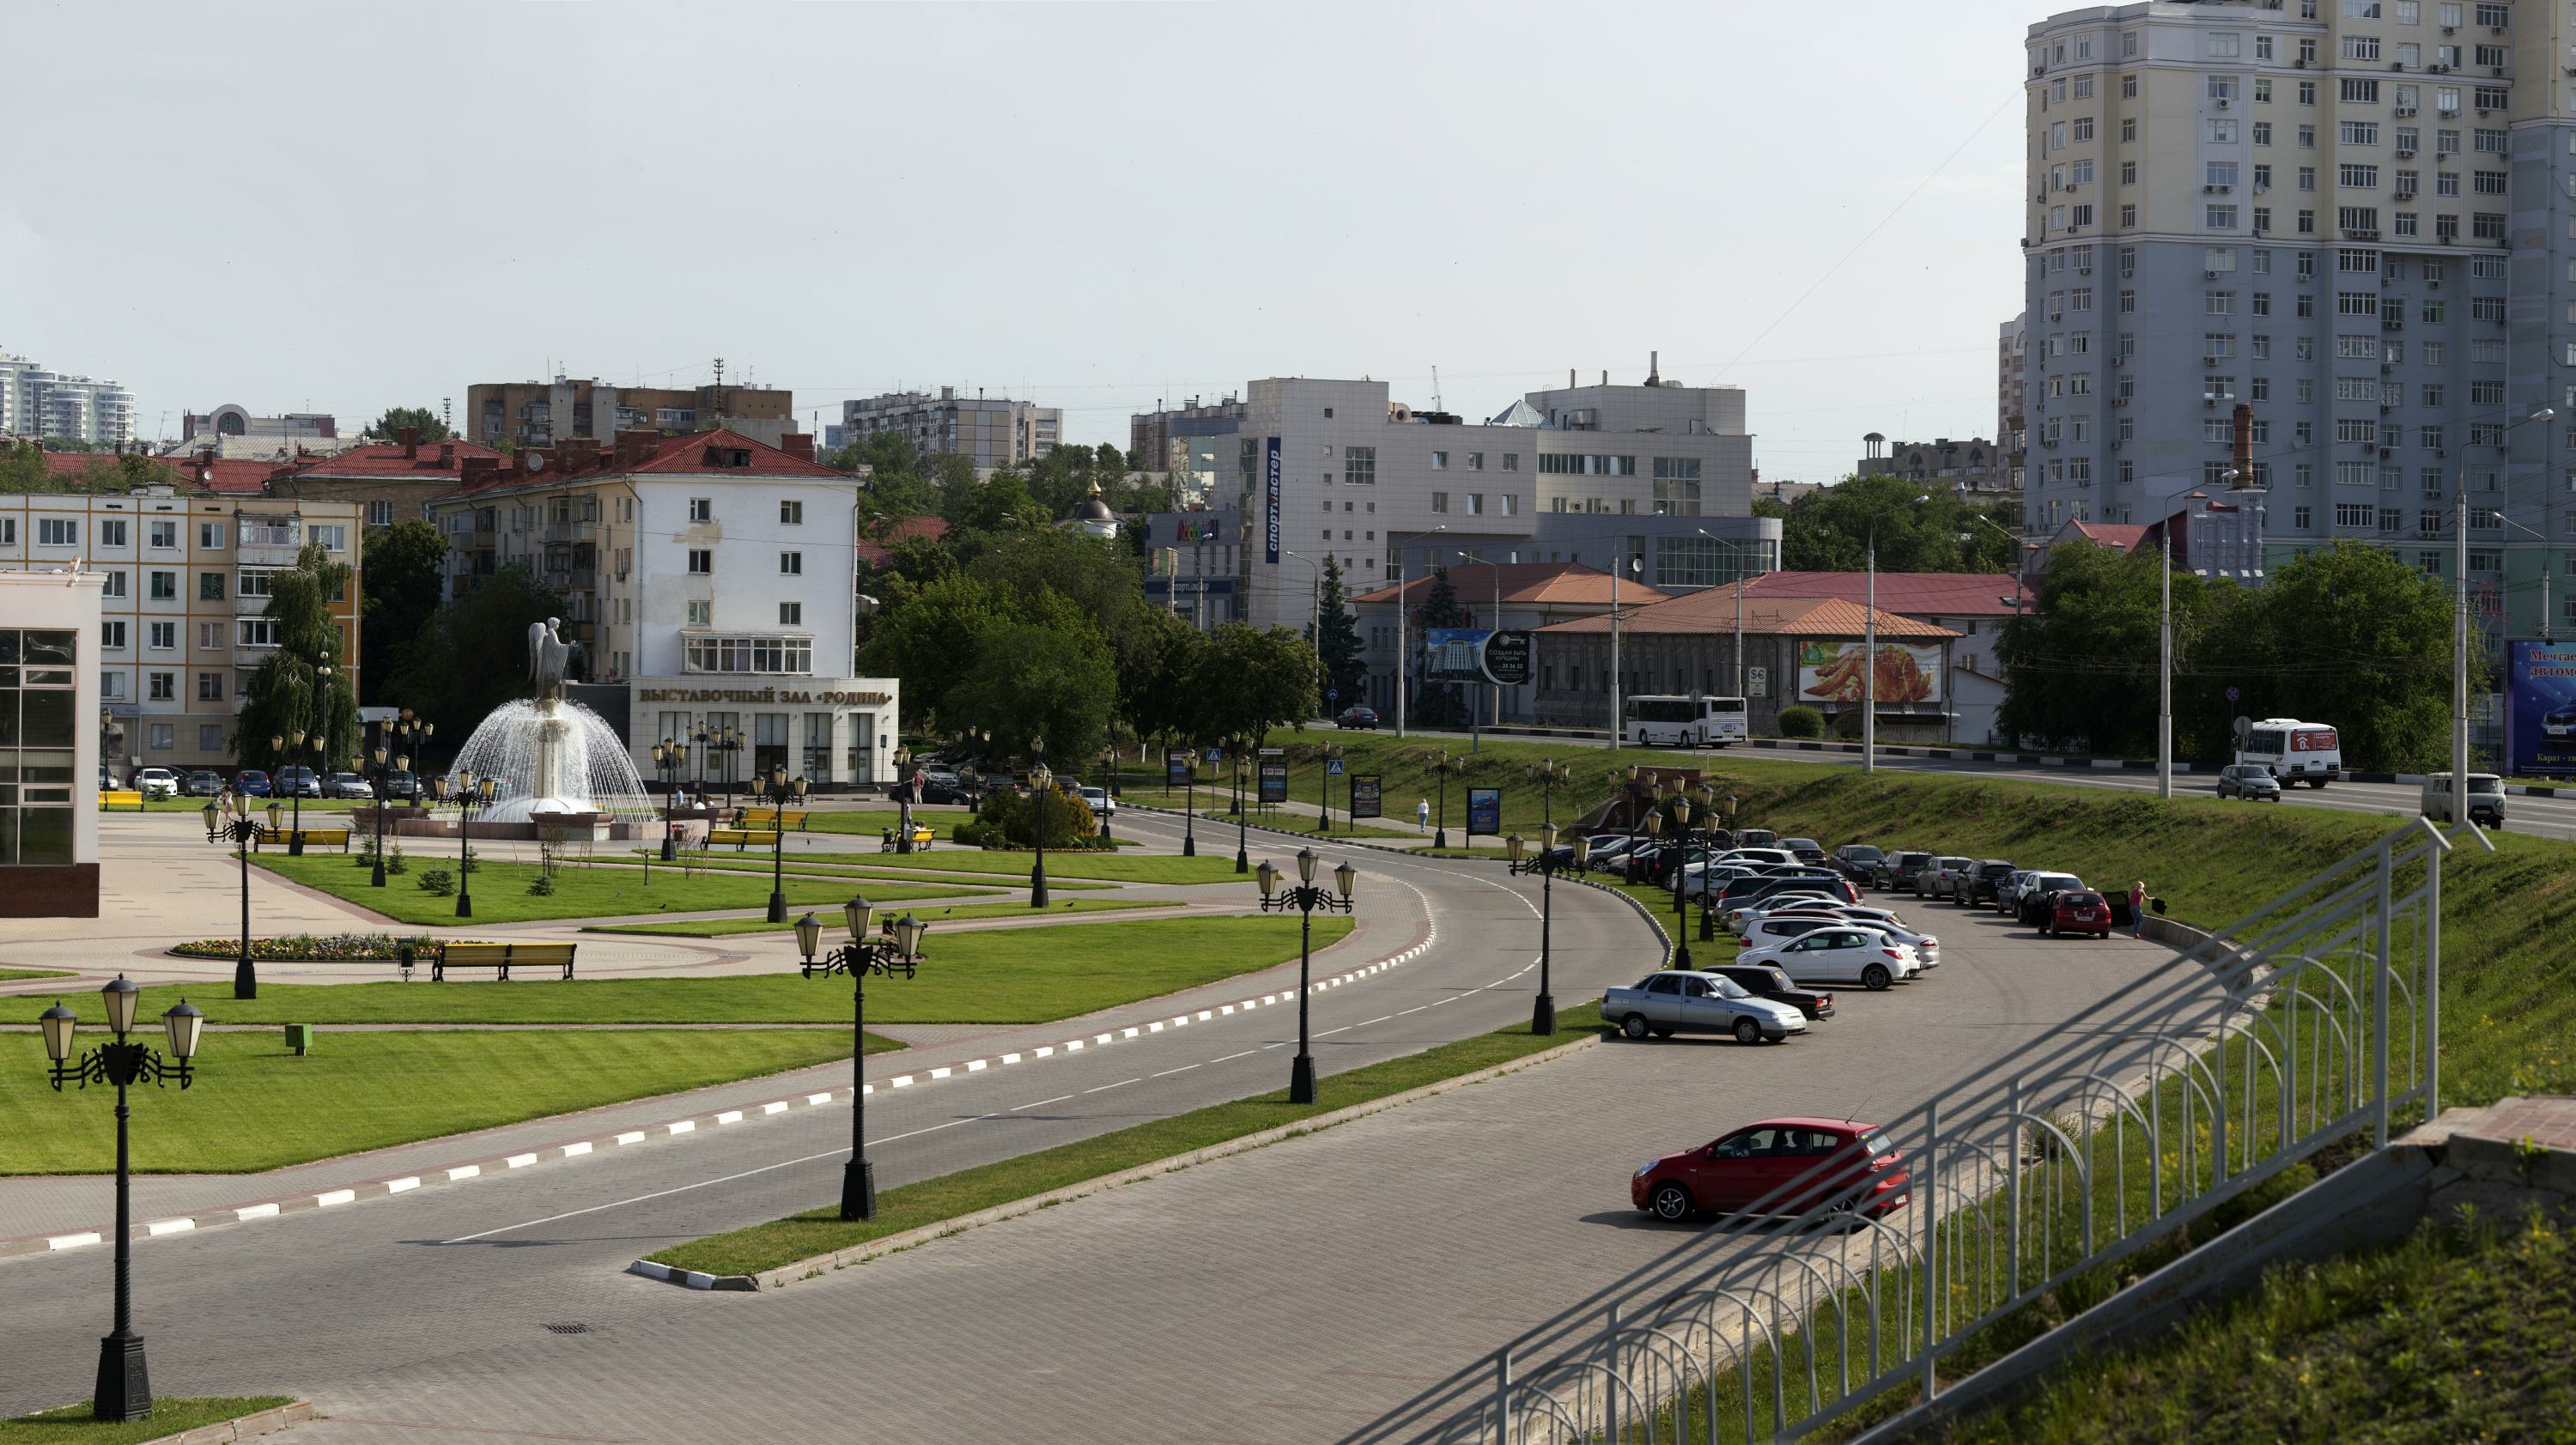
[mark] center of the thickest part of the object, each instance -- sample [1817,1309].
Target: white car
[1101,804]
[1839,955]
[1734,917]
[1756,855]
[156,782]
[1781,925]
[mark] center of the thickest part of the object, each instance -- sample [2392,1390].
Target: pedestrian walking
[2137,908]
[1422,816]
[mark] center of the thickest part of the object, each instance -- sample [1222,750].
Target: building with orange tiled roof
[387,481]
[1505,595]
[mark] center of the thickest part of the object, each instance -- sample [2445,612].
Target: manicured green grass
[501,890]
[821,1231]
[10,974]
[171,1415]
[727,927]
[1154,868]
[1013,975]
[2456,1334]
[805,863]
[256,1106]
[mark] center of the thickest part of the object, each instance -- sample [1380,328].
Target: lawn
[501,890]
[805,863]
[822,1231]
[9,975]
[1118,868]
[256,1106]
[1015,975]
[171,1415]
[727,927]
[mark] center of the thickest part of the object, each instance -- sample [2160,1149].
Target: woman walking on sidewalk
[1422,816]
[2137,907]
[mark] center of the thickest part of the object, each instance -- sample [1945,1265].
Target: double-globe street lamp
[240,831]
[1041,784]
[778,790]
[670,759]
[469,793]
[1242,819]
[863,955]
[124,1387]
[404,734]
[291,745]
[724,740]
[1543,1008]
[1305,898]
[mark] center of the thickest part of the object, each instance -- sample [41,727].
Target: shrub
[543,886]
[437,882]
[1012,816]
[1801,721]
[394,860]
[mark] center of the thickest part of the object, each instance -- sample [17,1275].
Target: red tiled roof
[1919,594]
[2119,536]
[247,477]
[386,459]
[670,456]
[1713,611]
[1532,584]
[876,554]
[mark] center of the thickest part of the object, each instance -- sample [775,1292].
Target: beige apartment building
[186,579]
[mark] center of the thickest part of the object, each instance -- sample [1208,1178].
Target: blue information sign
[1332,767]
[1270,490]
[1485,812]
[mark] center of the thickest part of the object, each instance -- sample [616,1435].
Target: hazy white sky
[345,207]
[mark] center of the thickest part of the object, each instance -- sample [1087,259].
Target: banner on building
[1176,767]
[1365,795]
[1274,780]
[1485,812]
[1454,654]
[1270,490]
[2540,709]
[1507,656]
[1831,672]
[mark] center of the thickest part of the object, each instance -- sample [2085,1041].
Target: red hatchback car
[2077,910]
[1794,1164]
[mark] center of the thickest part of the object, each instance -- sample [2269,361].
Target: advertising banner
[1485,812]
[1270,489]
[1176,767]
[1274,780]
[1454,654]
[1507,657]
[1365,795]
[2540,709]
[1831,672]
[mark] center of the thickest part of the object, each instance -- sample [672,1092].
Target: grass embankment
[171,1415]
[806,864]
[11,975]
[256,1106]
[954,913]
[1116,868]
[1005,976]
[822,1231]
[501,890]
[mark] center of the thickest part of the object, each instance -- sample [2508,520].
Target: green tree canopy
[389,426]
[1338,643]
[2080,668]
[473,654]
[405,565]
[1828,530]
[1249,680]
[1033,682]
[303,687]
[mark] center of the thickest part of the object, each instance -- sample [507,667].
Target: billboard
[1365,795]
[1485,812]
[1176,768]
[1453,654]
[1507,657]
[1270,488]
[1831,672]
[1274,780]
[2540,709]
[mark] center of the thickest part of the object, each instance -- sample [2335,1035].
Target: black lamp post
[670,759]
[1242,821]
[1108,784]
[1041,783]
[1305,898]
[1324,788]
[1705,812]
[1190,807]
[727,741]
[1681,857]
[470,793]
[241,832]
[778,790]
[277,748]
[864,954]
[1440,835]
[1543,1008]
[124,1389]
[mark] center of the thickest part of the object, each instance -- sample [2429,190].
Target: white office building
[37,402]
[988,431]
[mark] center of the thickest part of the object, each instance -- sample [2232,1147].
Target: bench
[742,837]
[312,836]
[921,839]
[768,818]
[120,798]
[501,957]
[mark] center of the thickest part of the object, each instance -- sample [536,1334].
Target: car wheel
[1748,1031]
[1670,1203]
[1633,1026]
[1875,978]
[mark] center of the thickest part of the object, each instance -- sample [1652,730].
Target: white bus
[2295,751]
[1689,722]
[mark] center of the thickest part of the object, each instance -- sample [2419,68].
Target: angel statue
[549,657]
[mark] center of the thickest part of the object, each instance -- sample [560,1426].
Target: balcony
[566,532]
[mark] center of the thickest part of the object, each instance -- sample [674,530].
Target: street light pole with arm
[2543,538]
[2460,628]
[1400,625]
[1869,648]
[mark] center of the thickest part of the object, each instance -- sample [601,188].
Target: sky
[346,207]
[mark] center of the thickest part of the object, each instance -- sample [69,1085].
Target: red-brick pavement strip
[2546,1121]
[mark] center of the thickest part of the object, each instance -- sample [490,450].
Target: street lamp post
[2460,629]
[124,1386]
[671,760]
[1440,837]
[1705,812]
[1400,629]
[1543,1008]
[469,793]
[277,747]
[1681,855]
[1242,822]
[863,955]
[1109,784]
[1190,807]
[1869,650]
[1041,783]
[778,790]
[241,831]
[2164,635]
[1305,898]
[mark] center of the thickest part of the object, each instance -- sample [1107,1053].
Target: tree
[473,655]
[2080,667]
[389,427]
[1828,530]
[927,635]
[1436,704]
[290,694]
[1248,681]
[1338,642]
[1037,680]
[405,567]
[1161,701]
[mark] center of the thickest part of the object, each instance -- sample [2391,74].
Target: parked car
[1357,717]
[2077,910]
[1776,986]
[402,783]
[1934,879]
[1840,955]
[2250,781]
[1102,805]
[346,785]
[156,782]
[1897,871]
[1788,1166]
[251,782]
[1805,850]
[2028,904]
[1858,861]
[1757,838]
[1674,1001]
[2486,799]
[1978,883]
[201,783]
[293,781]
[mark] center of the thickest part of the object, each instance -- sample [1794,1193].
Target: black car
[402,783]
[1806,850]
[933,790]
[1896,872]
[200,783]
[1858,861]
[287,782]
[1357,717]
[1762,980]
[1984,879]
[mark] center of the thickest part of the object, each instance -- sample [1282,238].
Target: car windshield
[1729,988]
[1863,854]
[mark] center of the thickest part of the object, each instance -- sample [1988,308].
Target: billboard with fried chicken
[1830,672]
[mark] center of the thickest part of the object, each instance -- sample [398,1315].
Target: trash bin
[299,1037]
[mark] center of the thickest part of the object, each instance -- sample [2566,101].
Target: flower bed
[303,948]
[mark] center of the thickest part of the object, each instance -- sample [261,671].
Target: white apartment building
[49,755]
[709,577]
[988,431]
[184,579]
[36,402]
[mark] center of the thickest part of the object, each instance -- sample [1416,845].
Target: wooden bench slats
[280,836]
[740,837]
[501,957]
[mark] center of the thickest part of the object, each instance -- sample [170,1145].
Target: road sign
[1332,767]
[2231,694]
[1757,682]
[1215,756]
[1274,781]
[1332,694]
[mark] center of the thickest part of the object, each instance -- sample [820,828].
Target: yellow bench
[501,957]
[768,818]
[120,798]
[921,839]
[280,836]
[742,837]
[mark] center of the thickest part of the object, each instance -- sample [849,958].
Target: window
[164,636]
[254,632]
[210,687]
[1359,466]
[2361,92]
[330,536]
[2355,514]
[1439,461]
[163,686]
[791,513]
[111,636]
[2218,173]
[791,564]
[115,584]
[2226,46]
[164,534]
[164,586]
[2360,132]
[702,561]
[702,509]
[1511,461]
[2494,16]
[1440,501]
[1676,487]
[700,612]
[380,514]
[791,614]
[2262,132]
[210,586]
[210,637]
[57,532]
[210,536]
[2222,87]
[750,654]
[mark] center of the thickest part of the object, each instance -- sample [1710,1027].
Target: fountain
[557,762]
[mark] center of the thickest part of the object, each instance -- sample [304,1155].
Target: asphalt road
[311,1299]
